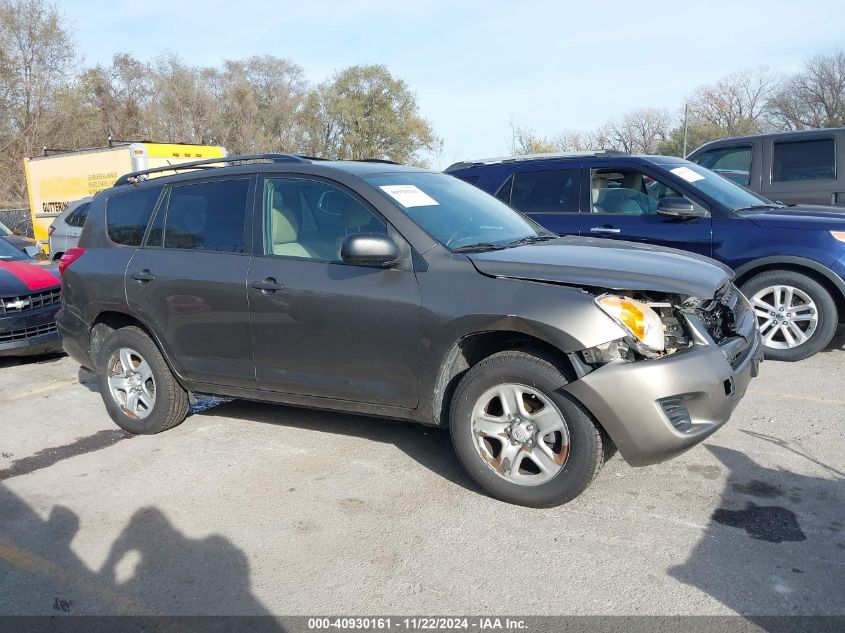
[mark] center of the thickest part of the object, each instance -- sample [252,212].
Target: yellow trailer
[60,177]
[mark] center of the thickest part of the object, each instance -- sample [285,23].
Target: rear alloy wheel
[139,390]
[796,315]
[131,382]
[520,436]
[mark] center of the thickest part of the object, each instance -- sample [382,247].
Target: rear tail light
[51,229]
[70,256]
[839,235]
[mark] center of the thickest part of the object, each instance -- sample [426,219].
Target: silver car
[66,228]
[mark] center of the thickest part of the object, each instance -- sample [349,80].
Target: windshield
[10,253]
[719,188]
[456,214]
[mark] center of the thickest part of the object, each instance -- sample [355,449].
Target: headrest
[285,226]
[599,183]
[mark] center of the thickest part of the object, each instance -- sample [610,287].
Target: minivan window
[549,191]
[78,215]
[454,213]
[804,160]
[207,216]
[733,163]
[127,214]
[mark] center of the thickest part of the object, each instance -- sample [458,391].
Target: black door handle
[268,286]
[144,276]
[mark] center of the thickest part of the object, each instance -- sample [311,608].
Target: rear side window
[207,216]
[77,217]
[127,215]
[734,163]
[795,161]
[552,191]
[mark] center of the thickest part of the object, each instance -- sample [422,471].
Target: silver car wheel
[520,434]
[787,316]
[131,383]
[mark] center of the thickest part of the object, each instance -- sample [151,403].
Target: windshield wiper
[532,239]
[478,248]
[752,207]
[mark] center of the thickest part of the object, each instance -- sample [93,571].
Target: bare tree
[814,97]
[737,103]
[527,141]
[636,132]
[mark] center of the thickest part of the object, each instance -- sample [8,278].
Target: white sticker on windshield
[687,174]
[409,196]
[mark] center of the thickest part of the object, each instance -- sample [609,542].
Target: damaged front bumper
[656,409]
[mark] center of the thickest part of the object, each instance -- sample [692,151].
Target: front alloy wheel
[520,433]
[787,316]
[797,316]
[530,445]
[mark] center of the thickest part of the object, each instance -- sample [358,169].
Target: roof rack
[526,157]
[137,176]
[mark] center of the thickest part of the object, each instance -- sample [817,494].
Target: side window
[207,216]
[734,163]
[127,214]
[551,191]
[77,216]
[310,219]
[795,161]
[504,192]
[629,192]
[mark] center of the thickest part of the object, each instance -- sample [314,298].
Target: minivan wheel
[796,314]
[137,387]
[519,436]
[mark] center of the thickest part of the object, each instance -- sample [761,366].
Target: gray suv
[804,167]
[397,292]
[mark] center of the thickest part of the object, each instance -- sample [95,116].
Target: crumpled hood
[611,264]
[805,216]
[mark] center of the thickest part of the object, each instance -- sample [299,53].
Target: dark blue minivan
[789,261]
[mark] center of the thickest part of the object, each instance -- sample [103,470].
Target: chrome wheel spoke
[796,331]
[126,360]
[544,458]
[487,425]
[121,383]
[547,420]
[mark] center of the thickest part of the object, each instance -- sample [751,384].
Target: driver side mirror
[369,249]
[679,208]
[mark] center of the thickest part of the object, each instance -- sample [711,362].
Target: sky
[476,67]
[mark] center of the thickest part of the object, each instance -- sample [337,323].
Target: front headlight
[643,323]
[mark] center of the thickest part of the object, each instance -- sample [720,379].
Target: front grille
[25,333]
[24,303]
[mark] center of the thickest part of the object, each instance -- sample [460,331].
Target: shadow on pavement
[14,361]
[431,447]
[774,546]
[151,569]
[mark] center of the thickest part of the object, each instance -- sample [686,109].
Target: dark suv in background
[392,291]
[806,167]
[789,261]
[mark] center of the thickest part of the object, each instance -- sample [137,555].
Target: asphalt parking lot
[254,509]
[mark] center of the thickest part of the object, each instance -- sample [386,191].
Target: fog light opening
[677,413]
[729,387]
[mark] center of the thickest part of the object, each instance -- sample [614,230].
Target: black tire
[828,317]
[171,401]
[588,445]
